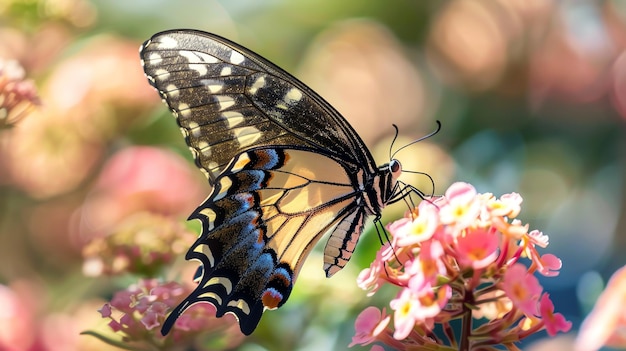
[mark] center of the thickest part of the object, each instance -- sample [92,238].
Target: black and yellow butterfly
[284,165]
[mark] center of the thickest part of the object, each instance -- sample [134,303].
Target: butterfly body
[285,168]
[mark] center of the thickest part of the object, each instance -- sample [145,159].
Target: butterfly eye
[395,167]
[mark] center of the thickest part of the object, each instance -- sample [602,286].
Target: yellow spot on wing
[293,95]
[258,83]
[155,58]
[224,101]
[204,148]
[161,74]
[210,215]
[241,162]
[225,184]
[236,58]
[194,128]
[240,304]
[212,295]
[246,136]
[226,71]
[233,118]
[184,109]
[225,282]
[166,43]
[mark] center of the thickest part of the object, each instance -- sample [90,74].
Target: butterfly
[285,168]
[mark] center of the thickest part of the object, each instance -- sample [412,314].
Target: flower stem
[466,323]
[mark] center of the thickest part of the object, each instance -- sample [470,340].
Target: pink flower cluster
[17,95]
[143,243]
[138,312]
[143,306]
[460,257]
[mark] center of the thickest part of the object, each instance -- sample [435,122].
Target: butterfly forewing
[284,165]
[229,99]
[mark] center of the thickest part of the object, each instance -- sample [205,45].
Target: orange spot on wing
[241,163]
[271,298]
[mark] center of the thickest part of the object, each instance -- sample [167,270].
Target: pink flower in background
[87,99]
[137,313]
[460,257]
[18,320]
[142,243]
[138,179]
[131,220]
[18,96]
[61,330]
[92,102]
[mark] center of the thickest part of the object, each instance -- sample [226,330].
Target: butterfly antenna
[418,140]
[395,136]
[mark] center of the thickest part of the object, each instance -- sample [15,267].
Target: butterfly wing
[284,165]
[268,209]
[228,98]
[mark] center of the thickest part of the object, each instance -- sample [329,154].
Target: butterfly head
[395,168]
[394,190]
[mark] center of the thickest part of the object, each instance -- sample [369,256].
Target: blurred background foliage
[531,95]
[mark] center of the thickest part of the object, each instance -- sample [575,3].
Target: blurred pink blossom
[606,323]
[17,95]
[141,179]
[136,314]
[83,107]
[18,319]
[131,220]
[142,243]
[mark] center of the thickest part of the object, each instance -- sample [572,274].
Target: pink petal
[605,324]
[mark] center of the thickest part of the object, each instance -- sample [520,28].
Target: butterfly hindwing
[284,165]
[260,204]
